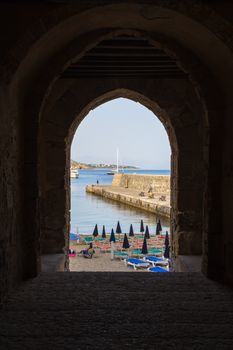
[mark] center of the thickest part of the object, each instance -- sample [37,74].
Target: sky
[127,125]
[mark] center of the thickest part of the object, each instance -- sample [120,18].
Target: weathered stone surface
[159,185]
[132,198]
[118,311]
[184,170]
[39,114]
[127,188]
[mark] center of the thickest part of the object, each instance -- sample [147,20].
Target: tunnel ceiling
[124,57]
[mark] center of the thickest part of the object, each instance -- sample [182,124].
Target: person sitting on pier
[88,253]
[150,189]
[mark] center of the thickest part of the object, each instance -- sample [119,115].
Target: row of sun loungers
[120,255]
[139,263]
[153,261]
[142,263]
[131,253]
[136,263]
[136,239]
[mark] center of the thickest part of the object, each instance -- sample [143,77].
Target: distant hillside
[77,165]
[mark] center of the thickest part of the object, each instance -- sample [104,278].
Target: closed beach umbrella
[125,242]
[167,252]
[131,233]
[160,226]
[147,233]
[144,247]
[103,232]
[167,248]
[166,239]
[141,226]
[157,229]
[95,232]
[118,229]
[112,237]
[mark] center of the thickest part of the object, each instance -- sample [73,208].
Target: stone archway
[183,123]
[43,63]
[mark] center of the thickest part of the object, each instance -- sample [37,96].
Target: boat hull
[74,174]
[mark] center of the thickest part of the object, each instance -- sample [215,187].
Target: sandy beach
[99,263]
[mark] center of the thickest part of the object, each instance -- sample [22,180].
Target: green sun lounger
[136,252]
[155,251]
[121,255]
[88,240]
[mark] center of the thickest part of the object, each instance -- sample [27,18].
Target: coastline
[88,209]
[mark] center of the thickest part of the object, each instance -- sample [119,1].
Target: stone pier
[147,192]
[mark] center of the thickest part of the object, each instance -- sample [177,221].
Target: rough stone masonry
[146,192]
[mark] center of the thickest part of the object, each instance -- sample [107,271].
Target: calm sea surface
[88,210]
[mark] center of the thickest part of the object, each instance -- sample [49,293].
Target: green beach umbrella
[147,234]
[112,236]
[125,242]
[144,247]
[131,233]
[103,232]
[142,226]
[95,232]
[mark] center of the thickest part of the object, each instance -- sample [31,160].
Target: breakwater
[147,192]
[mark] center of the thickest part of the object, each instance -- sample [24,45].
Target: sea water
[87,209]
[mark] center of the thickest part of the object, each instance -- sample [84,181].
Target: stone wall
[126,189]
[37,42]
[144,203]
[160,185]
[188,108]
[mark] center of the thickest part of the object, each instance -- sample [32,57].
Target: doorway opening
[78,91]
[121,155]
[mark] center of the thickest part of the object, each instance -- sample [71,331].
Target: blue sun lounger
[154,261]
[136,263]
[157,269]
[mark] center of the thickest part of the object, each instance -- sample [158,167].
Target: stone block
[189,243]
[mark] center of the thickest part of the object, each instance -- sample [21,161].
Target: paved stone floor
[106,310]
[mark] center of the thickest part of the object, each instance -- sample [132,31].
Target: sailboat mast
[117,160]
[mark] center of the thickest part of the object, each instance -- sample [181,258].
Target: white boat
[74,173]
